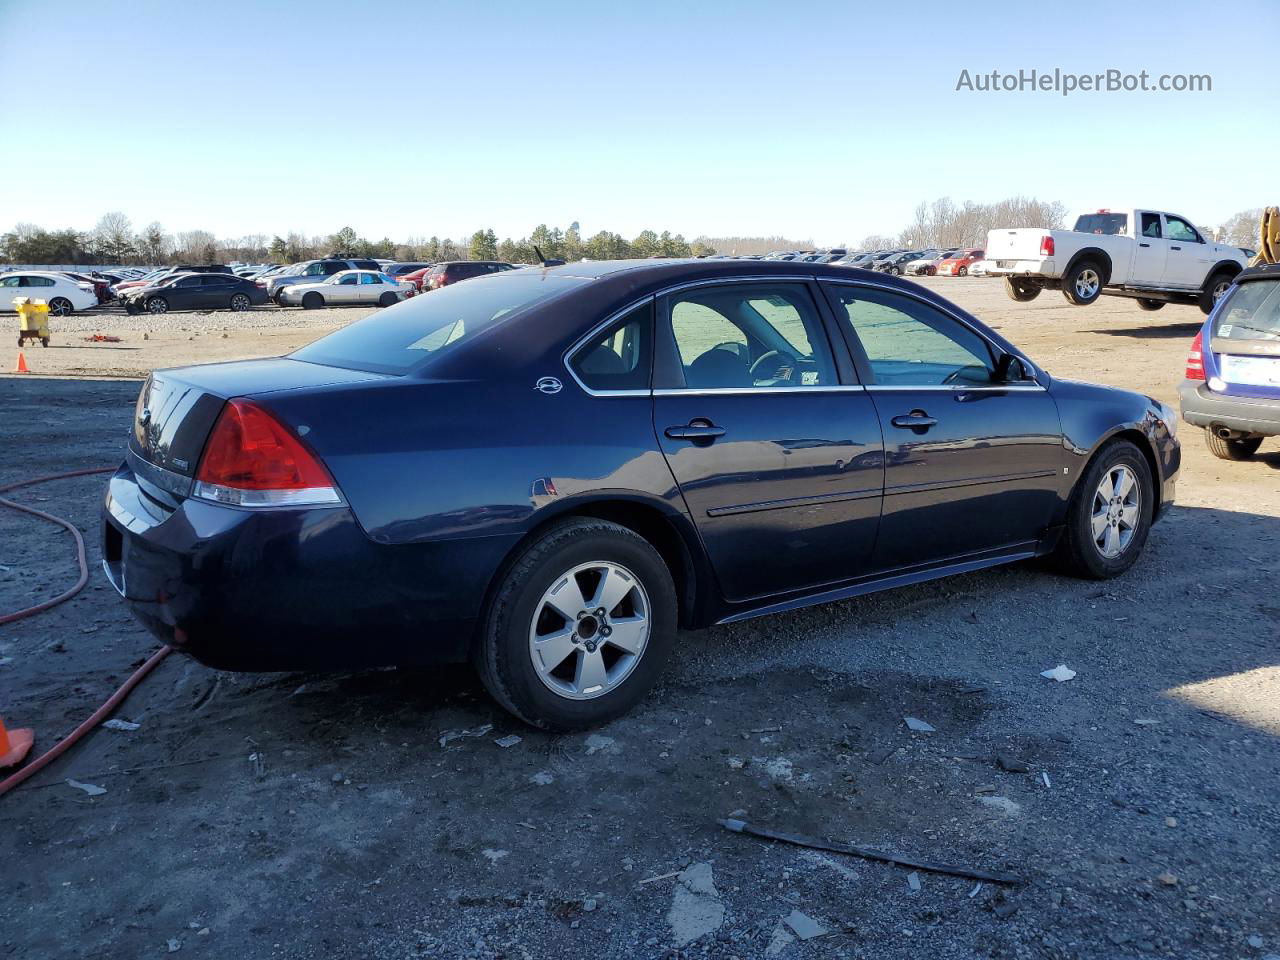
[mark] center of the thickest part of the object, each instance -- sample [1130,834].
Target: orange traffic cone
[14,745]
[22,364]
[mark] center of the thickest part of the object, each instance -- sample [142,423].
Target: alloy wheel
[60,307]
[158,305]
[1220,288]
[1087,283]
[1117,507]
[239,302]
[589,630]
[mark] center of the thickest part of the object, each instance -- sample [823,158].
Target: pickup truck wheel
[1150,305]
[1241,449]
[1021,290]
[1214,289]
[1083,283]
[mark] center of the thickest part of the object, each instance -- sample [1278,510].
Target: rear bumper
[1022,268]
[1204,408]
[292,588]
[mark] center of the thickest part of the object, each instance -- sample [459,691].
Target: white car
[978,269]
[63,295]
[1151,256]
[348,288]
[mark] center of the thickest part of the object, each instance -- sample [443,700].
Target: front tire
[1023,291]
[579,627]
[61,307]
[1214,290]
[1083,283]
[1110,514]
[962,272]
[312,301]
[1241,449]
[157,305]
[1151,306]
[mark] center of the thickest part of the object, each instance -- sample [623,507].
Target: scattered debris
[601,744]
[337,778]
[779,768]
[767,730]
[1062,673]
[913,882]
[803,925]
[878,757]
[1168,879]
[1003,907]
[1010,764]
[739,826]
[1143,722]
[919,726]
[1255,941]
[1045,777]
[969,691]
[89,788]
[493,856]
[696,909]
[173,946]
[780,940]
[985,788]
[977,889]
[542,778]
[450,735]
[1003,804]
[508,741]
[736,763]
[663,876]
[121,725]
[1170,821]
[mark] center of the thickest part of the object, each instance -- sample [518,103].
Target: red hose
[96,718]
[116,698]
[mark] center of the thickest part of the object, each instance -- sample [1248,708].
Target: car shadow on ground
[1171,331]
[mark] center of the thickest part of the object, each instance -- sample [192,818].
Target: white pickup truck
[1151,256]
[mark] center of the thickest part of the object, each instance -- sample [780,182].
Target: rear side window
[366,264]
[403,338]
[1102,223]
[619,358]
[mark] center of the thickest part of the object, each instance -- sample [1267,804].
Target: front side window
[1178,229]
[909,343]
[11,282]
[619,358]
[187,282]
[350,280]
[1151,225]
[748,335]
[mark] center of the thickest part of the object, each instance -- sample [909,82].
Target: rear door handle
[915,420]
[1144,244]
[696,429]
[1175,248]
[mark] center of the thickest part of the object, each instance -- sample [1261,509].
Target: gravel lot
[338,816]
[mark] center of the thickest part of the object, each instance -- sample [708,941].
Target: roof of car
[1266,271]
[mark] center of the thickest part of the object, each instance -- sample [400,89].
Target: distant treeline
[113,240]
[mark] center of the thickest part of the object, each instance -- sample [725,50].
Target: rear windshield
[1252,312]
[1110,223]
[402,338]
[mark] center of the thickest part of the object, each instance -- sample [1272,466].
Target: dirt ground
[376,815]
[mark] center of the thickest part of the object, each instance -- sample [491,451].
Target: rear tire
[1241,449]
[312,301]
[387,299]
[240,303]
[962,272]
[1082,284]
[504,652]
[60,307]
[1214,289]
[1080,553]
[1151,306]
[1023,291]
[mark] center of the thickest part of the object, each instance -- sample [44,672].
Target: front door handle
[1144,244]
[698,429]
[1175,248]
[915,420]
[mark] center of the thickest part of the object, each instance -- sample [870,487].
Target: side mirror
[1012,369]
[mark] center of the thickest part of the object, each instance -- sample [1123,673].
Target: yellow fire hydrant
[33,320]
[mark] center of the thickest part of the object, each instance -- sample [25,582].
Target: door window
[187,282]
[349,280]
[909,343]
[370,278]
[39,282]
[618,359]
[1178,229]
[749,336]
[316,270]
[1151,225]
[11,282]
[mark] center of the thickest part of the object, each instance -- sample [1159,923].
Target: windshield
[1102,222]
[402,338]
[1252,312]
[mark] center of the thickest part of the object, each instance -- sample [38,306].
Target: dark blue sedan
[549,471]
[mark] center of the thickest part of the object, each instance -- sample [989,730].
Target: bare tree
[112,238]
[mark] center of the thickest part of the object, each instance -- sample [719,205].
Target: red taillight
[1195,360]
[253,460]
[1046,246]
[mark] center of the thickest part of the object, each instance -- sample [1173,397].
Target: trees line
[113,240]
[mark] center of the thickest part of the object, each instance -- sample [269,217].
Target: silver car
[349,288]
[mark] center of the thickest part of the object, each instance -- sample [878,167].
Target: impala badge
[548,385]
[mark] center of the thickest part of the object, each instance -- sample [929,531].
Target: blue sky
[823,120]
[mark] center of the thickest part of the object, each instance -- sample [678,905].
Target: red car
[415,277]
[443,274]
[958,264]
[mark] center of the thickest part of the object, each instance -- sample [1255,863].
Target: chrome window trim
[953,388]
[789,278]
